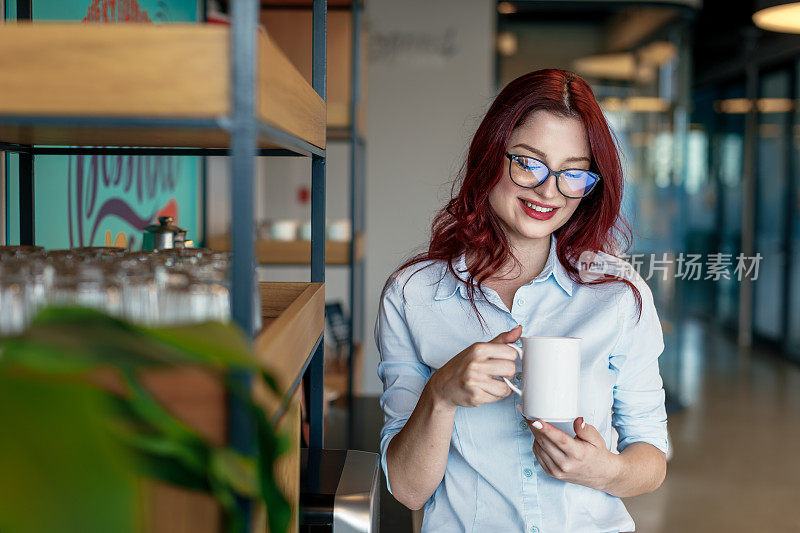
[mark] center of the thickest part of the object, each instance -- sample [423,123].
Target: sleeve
[639,413]
[403,374]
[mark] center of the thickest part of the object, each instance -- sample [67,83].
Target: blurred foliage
[73,454]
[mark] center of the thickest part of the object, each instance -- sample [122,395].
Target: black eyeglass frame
[557,173]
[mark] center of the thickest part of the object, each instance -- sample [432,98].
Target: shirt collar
[450,284]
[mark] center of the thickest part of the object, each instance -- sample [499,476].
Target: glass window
[771,189]
[729,156]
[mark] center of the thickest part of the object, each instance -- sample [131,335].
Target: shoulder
[592,266]
[417,283]
[626,299]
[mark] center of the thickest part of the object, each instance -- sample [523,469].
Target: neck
[531,253]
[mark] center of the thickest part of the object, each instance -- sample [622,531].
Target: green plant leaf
[63,342]
[235,470]
[61,469]
[271,447]
[214,343]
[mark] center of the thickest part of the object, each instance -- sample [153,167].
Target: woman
[543,183]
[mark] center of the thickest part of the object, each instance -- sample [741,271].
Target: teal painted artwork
[99,200]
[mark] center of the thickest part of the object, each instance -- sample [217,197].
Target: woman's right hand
[467,379]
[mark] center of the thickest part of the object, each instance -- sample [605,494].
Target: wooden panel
[174,71]
[285,98]
[296,252]
[293,317]
[281,296]
[194,395]
[198,398]
[114,70]
[291,30]
[171,509]
[287,469]
[120,136]
[285,343]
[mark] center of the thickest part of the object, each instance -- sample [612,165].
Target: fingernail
[583,423]
[537,425]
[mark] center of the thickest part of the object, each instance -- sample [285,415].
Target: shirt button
[523,424]
[528,472]
[534,529]
[518,376]
[521,301]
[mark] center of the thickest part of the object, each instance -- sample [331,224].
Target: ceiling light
[636,104]
[733,105]
[506,8]
[779,16]
[507,43]
[774,105]
[657,53]
[620,66]
[763,105]
[612,104]
[647,104]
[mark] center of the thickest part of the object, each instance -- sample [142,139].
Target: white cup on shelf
[284,229]
[339,230]
[305,231]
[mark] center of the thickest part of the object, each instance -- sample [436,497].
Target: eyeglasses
[529,172]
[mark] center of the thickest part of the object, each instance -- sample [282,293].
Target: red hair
[468,223]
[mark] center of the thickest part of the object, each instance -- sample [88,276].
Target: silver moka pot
[161,236]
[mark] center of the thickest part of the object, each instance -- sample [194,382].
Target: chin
[540,232]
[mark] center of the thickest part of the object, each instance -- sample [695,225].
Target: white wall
[430,81]
[277,184]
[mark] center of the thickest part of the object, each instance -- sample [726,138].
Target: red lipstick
[537,214]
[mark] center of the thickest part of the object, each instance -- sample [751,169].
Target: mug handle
[511,385]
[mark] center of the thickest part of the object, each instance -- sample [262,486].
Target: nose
[548,189]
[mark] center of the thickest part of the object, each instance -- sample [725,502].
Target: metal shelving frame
[357,196]
[245,131]
[357,184]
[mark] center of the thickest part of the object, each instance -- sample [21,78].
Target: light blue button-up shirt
[493,481]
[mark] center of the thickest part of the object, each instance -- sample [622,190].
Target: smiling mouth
[537,207]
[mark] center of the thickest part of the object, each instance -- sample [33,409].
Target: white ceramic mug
[305,231]
[284,229]
[339,230]
[551,368]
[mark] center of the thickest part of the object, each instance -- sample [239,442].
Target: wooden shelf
[143,85]
[293,320]
[342,133]
[336,371]
[290,28]
[296,252]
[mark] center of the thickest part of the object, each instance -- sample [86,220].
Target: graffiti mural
[132,190]
[107,200]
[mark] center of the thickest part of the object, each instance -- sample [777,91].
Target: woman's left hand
[584,459]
